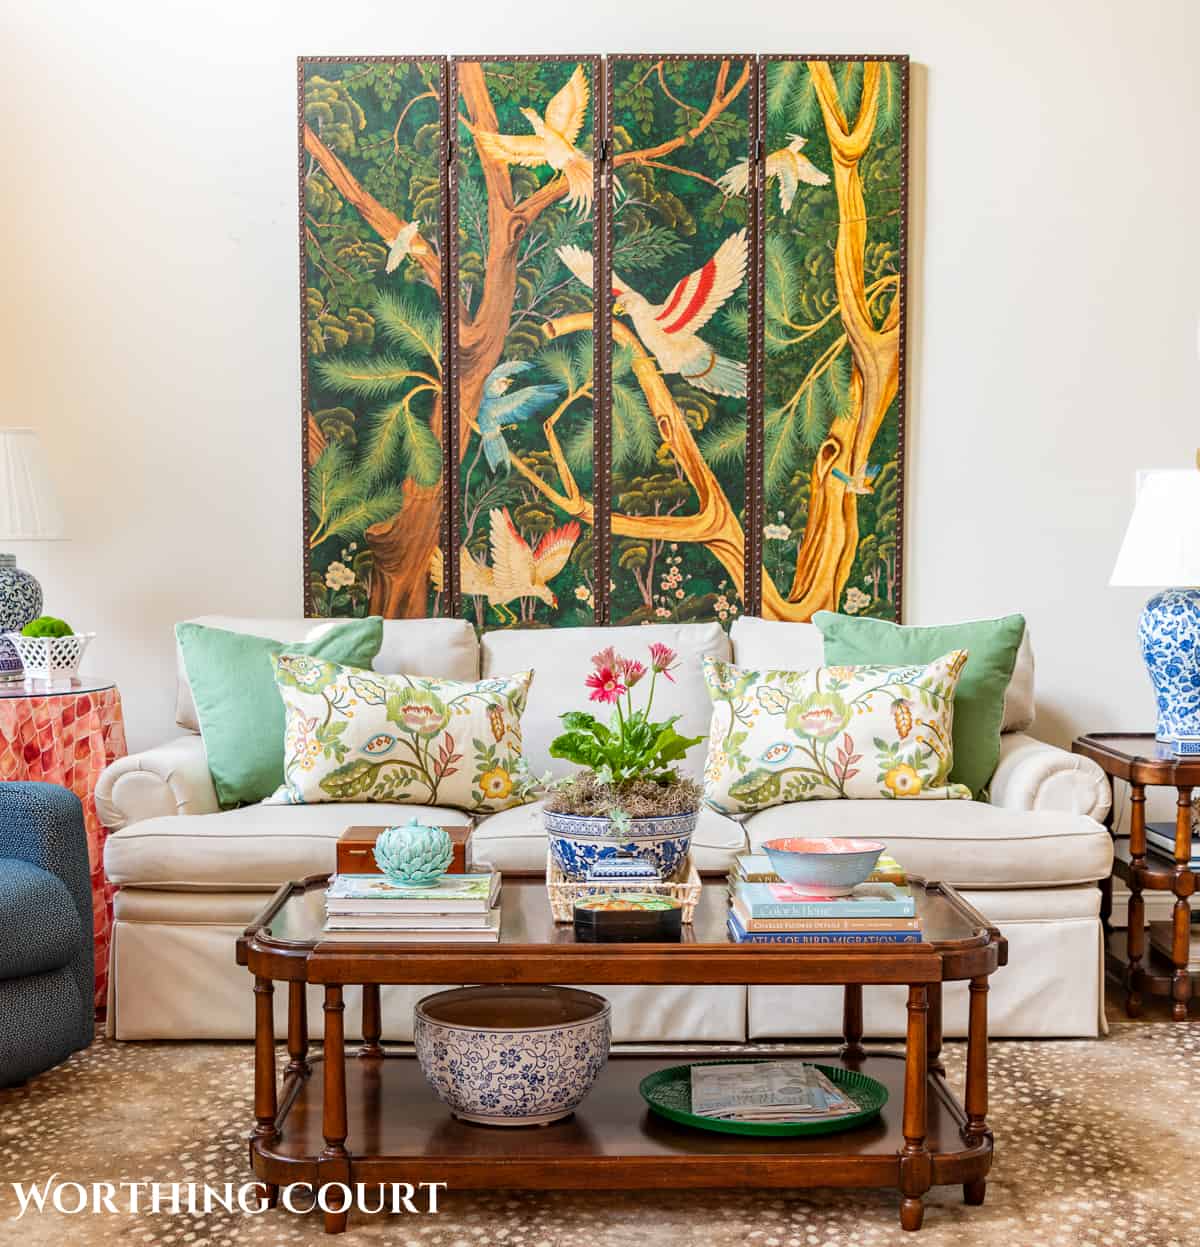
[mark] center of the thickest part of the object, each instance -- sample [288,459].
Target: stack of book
[775,913]
[458,908]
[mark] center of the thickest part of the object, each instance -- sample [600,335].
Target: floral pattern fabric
[856,732]
[355,735]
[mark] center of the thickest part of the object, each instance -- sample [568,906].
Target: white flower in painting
[776,532]
[338,576]
[855,601]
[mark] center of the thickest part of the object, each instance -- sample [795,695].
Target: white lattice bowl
[50,657]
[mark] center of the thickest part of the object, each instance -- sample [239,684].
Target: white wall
[149,321]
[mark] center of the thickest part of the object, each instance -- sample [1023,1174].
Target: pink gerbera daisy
[632,671]
[605,684]
[606,658]
[663,659]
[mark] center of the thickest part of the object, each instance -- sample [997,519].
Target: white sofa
[190,876]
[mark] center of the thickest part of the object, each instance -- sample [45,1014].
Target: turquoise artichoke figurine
[414,856]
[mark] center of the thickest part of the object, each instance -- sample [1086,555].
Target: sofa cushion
[773,643]
[241,717]
[991,646]
[965,843]
[252,848]
[441,647]
[354,735]
[861,732]
[563,658]
[515,840]
[40,929]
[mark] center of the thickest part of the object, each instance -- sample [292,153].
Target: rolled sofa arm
[1035,776]
[169,779]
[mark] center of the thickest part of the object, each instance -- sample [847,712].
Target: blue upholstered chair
[46,969]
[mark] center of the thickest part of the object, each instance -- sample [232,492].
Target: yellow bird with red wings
[670,330]
[552,141]
[517,571]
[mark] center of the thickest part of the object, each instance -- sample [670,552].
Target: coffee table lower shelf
[398,1131]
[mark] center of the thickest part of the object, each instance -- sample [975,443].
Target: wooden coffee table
[372,1119]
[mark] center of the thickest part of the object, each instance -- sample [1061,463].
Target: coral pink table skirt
[68,737]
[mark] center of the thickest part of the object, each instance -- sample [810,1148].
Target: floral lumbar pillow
[354,735]
[857,732]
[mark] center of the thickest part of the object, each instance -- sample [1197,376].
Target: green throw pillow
[979,701]
[238,705]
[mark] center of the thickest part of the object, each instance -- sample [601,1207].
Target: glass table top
[56,688]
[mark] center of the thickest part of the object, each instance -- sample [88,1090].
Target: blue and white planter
[1169,633]
[483,1052]
[578,842]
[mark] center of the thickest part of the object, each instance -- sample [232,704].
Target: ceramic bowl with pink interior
[829,866]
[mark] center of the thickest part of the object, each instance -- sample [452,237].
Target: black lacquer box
[628,918]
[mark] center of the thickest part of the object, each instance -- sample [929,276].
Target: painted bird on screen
[861,482]
[670,330]
[498,408]
[552,141]
[786,166]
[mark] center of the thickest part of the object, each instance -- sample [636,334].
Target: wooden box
[355,855]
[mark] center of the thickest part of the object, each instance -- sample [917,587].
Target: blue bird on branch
[498,408]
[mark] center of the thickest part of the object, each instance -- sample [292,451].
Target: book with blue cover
[740,935]
[1160,837]
[868,900]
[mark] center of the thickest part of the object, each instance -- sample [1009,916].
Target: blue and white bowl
[512,1055]
[578,842]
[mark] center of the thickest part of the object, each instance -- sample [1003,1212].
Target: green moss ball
[47,625]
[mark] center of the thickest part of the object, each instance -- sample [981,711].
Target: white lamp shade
[1162,542]
[29,509]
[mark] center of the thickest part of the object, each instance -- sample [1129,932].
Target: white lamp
[29,511]
[1162,547]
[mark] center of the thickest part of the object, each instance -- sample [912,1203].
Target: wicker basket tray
[563,892]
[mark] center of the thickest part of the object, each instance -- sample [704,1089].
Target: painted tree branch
[826,555]
[382,220]
[714,525]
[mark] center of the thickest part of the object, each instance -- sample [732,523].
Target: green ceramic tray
[669,1093]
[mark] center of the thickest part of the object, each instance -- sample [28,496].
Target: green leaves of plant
[632,747]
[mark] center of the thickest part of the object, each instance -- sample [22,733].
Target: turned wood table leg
[852,1024]
[1183,883]
[265,1105]
[333,1164]
[915,1167]
[297,1036]
[1136,927]
[975,1098]
[372,1021]
[933,1042]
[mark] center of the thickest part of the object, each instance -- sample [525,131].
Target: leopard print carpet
[1094,1146]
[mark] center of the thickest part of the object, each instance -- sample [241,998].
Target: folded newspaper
[767,1091]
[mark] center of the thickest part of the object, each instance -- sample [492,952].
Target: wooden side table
[1138,759]
[66,733]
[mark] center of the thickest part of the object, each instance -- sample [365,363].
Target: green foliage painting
[718,431]
[371,229]
[832,305]
[524,194]
[680,326]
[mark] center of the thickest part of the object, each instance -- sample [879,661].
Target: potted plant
[630,797]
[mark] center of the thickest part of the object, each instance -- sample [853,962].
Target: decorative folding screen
[592,341]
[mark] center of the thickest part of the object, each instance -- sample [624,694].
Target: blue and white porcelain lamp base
[1169,633]
[20,602]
